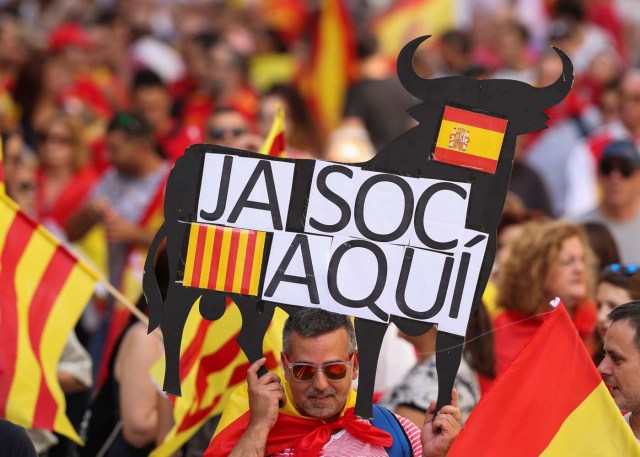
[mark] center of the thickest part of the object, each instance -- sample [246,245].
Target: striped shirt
[343,444]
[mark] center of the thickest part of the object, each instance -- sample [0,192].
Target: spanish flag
[469,139]
[212,366]
[2,191]
[225,259]
[325,80]
[551,401]
[43,291]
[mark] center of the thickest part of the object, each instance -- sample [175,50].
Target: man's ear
[356,364]
[284,365]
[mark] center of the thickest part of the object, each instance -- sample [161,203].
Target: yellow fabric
[404,23]
[65,312]
[218,334]
[586,432]
[277,128]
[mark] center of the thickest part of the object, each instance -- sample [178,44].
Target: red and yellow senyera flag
[469,139]
[225,259]
[43,291]
[274,145]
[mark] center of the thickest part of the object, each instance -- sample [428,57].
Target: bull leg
[174,317]
[369,335]
[256,318]
[448,357]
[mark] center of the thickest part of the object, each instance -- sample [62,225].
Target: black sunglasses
[219,133]
[626,270]
[625,168]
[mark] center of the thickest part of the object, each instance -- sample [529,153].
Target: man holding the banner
[320,361]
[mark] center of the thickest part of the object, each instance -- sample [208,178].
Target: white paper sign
[245,192]
[296,269]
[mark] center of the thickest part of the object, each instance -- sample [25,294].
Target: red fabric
[174,141]
[307,436]
[199,105]
[513,330]
[71,197]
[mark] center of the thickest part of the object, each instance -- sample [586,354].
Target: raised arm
[441,429]
[265,393]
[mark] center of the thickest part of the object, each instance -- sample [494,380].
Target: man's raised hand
[440,429]
[265,394]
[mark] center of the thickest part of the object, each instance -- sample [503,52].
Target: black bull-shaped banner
[413,154]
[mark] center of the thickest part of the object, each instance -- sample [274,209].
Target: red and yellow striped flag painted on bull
[43,291]
[469,139]
[226,259]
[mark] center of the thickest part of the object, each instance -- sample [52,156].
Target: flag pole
[124,301]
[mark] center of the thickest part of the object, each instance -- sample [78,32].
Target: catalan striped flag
[43,291]
[551,401]
[212,366]
[274,144]
[226,259]
[469,139]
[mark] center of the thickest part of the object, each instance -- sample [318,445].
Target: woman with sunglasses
[64,179]
[618,284]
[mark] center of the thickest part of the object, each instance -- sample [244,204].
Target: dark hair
[622,278]
[458,39]
[131,124]
[478,349]
[146,77]
[602,243]
[310,322]
[628,312]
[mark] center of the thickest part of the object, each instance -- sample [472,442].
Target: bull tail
[150,282]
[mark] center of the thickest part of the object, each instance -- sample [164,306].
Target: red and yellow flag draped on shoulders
[43,291]
[550,401]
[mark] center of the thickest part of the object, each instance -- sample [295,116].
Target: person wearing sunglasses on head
[310,411]
[619,207]
[617,284]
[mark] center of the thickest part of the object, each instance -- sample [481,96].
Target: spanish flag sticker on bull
[469,139]
[225,259]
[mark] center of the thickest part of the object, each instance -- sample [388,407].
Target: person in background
[619,207]
[302,138]
[618,284]
[64,177]
[411,397]
[602,243]
[228,127]
[549,259]
[152,99]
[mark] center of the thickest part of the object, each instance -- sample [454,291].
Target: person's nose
[605,367]
[320,382]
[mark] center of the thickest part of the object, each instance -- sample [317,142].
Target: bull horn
[553,94]
[406,73]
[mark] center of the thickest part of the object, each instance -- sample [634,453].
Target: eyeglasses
[44,137]
[625,168]
[626,270]
[220,133]
[306,372]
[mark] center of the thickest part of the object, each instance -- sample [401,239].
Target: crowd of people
[99,98]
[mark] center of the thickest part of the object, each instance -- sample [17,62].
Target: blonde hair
[80,153]
[522,278]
